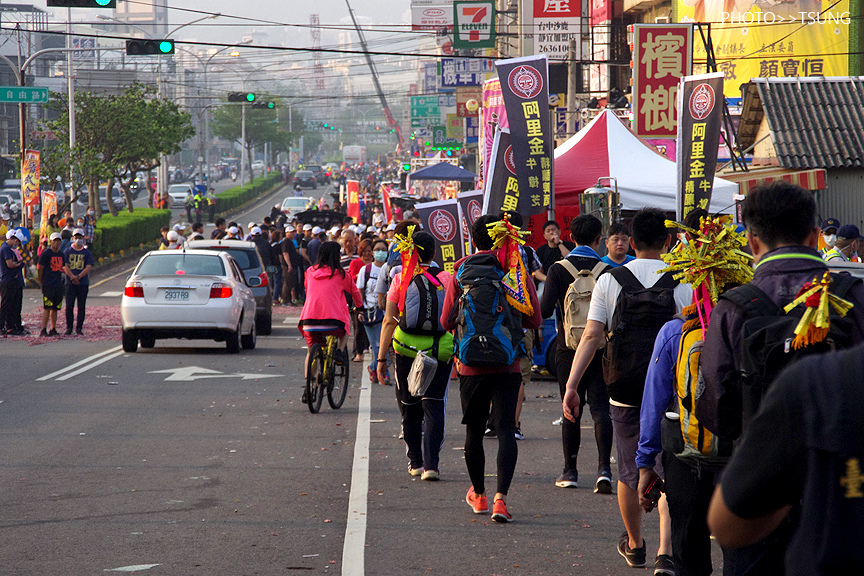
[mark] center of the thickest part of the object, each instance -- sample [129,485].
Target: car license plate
[176,295]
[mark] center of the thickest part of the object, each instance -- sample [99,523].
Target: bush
[128,230]
[235,197]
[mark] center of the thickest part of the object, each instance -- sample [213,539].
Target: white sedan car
[179,193]
[195,294]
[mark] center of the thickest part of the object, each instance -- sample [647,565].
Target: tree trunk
[126,192]
[109,198]
[93,197]
[249,163]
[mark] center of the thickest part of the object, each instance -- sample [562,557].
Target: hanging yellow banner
[762,39]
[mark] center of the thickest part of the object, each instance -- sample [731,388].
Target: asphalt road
[184,460]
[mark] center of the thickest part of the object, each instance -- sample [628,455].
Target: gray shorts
[625,423]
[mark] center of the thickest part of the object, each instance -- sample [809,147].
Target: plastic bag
[422,372]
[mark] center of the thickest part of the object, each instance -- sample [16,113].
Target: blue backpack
[488,330]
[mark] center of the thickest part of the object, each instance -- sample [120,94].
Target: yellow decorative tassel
[816,320]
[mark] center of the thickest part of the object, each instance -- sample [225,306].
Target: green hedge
[234,197]
[128,230]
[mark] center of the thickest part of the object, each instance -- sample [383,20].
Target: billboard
[431,17]
[474,24]
[795,38]
[661,56]
[554,23]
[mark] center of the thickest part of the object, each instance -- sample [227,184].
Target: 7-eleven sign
[474,24]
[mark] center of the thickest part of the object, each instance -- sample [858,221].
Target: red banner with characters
[662,55]
[30,170]
[385,200]
[352,205]
[492,116]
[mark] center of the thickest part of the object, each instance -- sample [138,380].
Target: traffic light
[406,166]
[83,3]
[241,97]
[149,47]
[265,105]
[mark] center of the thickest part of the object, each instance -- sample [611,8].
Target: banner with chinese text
[661,56]
[385,199]
[474,24]
[49,207]
[791,38]
[525,89]
[501,191]
[470,208]
[352,204]
[441,219]
[30,170]
[492,116]
[700,112]
[555,23]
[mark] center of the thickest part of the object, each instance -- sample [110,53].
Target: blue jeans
[373,333]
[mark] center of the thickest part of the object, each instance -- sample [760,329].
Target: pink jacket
[325,297]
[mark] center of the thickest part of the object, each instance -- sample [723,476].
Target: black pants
[423,418]
[76,293]
[11,299]
[688,491]
[477,392]
[592,386]
[212,213]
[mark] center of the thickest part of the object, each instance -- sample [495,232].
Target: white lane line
[79,363]
[354,548]
[111,294]
[91,365]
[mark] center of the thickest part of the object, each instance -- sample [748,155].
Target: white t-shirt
[606,292]
[371,296]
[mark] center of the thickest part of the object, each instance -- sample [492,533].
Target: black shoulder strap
[667,281]
[843,283]
[752,301]
[626,279]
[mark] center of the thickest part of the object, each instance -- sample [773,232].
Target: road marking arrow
[191,373]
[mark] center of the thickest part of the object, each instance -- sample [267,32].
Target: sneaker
[568,479]
[635,557]
[500,513]
[477,502]
[53,332]
[518,434]
[664,566]
[304,399]
[415,471]
[373,376]
[558,422]
[68,332]
[490,432]
[43,333]
[604,483]
[430,475]
[79,332]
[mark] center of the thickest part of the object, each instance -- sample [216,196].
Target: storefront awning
[808,179]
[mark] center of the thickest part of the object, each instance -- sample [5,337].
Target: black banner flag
[441,219]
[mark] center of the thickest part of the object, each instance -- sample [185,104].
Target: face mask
[79,243]
[380,255]
[91,212]
[80,224]
[830,239]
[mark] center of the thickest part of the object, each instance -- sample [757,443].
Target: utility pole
[242,143]
[572,87]
[70,92]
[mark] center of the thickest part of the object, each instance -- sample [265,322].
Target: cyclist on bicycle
[328,288]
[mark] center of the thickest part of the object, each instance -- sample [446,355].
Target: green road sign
[26,94]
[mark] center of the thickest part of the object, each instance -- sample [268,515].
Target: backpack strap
[569,267]
[626,278]
[752,301]
[667,280]
[599,268]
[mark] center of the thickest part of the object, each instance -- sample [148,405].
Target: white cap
[173,236]
[392,226]
[78,232]
[290,228]
[4,215]
[316,230]
[307,227]
[10,234]
[256,231]
[233,230]
[334,230]
[178,227]
[251,224]
[55,236]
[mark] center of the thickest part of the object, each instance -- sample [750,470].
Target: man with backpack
[488,346]
[629,305]
[569,284]
[751,337]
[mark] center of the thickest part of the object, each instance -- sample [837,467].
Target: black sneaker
[664,566]
[635,557]
[304,399]
[568,479]
[518,433]
[490,432]
[53,332]
[79,332]
[43,333]
[604,482]
[68,332]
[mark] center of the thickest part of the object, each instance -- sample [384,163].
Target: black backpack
[488,330]
[767,334]
[640,312]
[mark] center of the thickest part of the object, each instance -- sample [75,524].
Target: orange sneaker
[477,502]
[500,513]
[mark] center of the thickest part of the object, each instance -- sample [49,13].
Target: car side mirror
[254,282]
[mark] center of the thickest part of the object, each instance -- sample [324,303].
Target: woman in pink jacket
[326,309]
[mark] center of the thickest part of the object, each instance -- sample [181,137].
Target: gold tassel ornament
[816,320]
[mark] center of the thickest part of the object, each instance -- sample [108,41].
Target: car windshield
[244,257]
[181,264]
[294,203]
[178,188]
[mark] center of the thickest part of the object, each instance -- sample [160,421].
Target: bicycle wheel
[338,385]
[315,379]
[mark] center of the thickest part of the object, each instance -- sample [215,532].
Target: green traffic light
[103,2]
[271,105]
[250,97]
[406,167]
[165,47]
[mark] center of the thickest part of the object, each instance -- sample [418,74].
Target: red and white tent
[607,147]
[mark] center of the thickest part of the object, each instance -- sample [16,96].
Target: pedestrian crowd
[721,362]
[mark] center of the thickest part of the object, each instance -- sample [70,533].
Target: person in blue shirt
[79,261]
[11,284]
[617,245]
